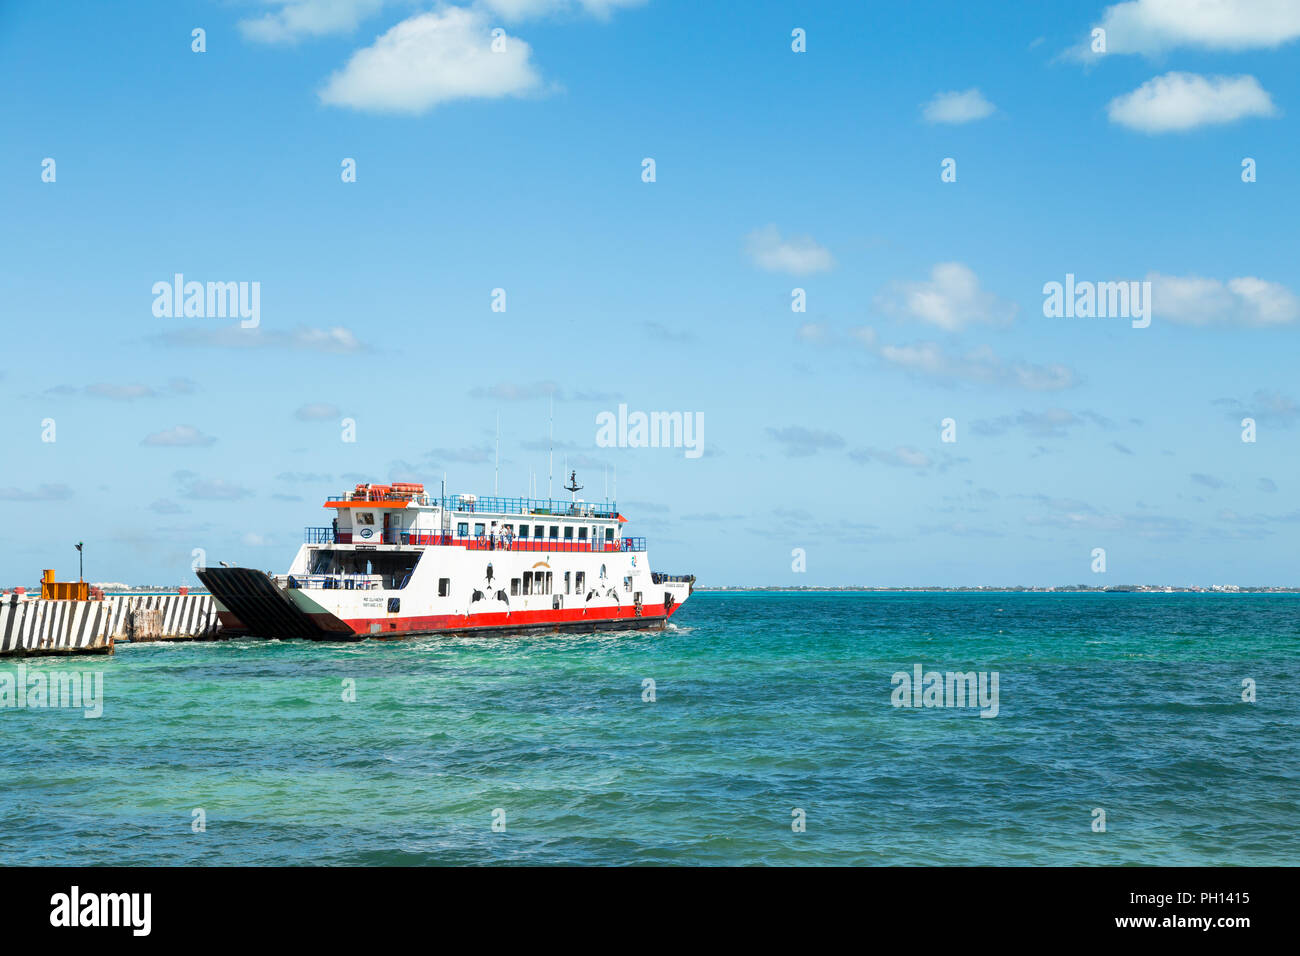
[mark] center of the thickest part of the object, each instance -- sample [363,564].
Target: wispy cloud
[51,492]
[195,486]
[317,412]
[905,456]
[1266,407]
[294,20]
[796,255]
[124,393]
[181,435]
[799,442]
[513,11]
[337,339]
[1050,423]
[980,365]
[951,299]
[517,391]
[954,107]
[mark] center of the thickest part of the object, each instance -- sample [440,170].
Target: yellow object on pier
[63,591]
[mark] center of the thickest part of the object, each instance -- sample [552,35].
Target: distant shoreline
[1077,589]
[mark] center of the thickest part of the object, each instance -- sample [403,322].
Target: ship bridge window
[523,531]
[555,531]
[479,528]
[365,517]
[568,532]
[462,529]
[609,534]
[582,533]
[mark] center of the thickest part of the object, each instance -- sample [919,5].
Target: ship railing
[483,542]
[531,506]
[494,505]
[332,582]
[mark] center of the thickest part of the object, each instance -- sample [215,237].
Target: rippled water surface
[764,703]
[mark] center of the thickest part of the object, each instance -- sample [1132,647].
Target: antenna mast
[550,450]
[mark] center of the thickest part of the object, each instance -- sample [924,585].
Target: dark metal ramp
[265,610]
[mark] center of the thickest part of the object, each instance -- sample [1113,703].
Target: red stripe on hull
[651,614]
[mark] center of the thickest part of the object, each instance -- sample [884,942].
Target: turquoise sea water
[1131,703]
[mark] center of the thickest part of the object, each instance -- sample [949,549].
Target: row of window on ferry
[538,582]
[536,531]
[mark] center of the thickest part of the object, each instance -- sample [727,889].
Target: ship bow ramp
[261,607]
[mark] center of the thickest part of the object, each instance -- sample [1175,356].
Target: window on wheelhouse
[555,531]
[568,532]
[462,529]
[609,534]
[523,531]
[479,528]
[582,533]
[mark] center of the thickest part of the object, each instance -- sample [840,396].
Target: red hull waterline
[504,623]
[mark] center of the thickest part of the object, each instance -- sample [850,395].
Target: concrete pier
[39,626]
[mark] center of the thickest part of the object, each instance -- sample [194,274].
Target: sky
[921,171]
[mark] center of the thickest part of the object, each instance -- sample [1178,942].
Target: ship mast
[573,487]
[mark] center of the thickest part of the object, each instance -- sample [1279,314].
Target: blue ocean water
[764,703]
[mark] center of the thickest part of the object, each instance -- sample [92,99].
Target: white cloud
[516,10]
[1181,101]
[1151,26]
[1192,300]
[952,299]
[298,19]
[798,255]
[957,107]
[429,59]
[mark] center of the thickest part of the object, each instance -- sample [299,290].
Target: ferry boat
[396,562]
